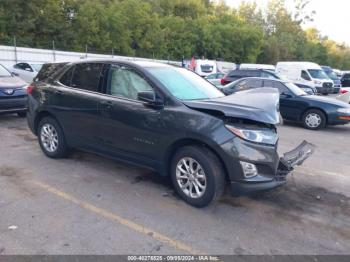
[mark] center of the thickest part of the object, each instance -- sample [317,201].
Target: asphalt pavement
[87,204]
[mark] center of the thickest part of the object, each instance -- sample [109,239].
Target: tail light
[223,81]
[30,89]
[343,91]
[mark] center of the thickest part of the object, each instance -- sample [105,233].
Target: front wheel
[314,119]
[197,175]
[51,138]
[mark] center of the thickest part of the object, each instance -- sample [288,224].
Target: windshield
[37,67]
[332,75]
[295,89]
[4,72]
[207,68]
[184,84]
[318,74]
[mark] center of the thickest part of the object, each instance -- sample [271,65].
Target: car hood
[328,100]
[11,82]
[261,105]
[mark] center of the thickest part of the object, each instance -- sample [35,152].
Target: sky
[332,17]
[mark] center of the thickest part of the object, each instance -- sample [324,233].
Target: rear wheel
[197,175]
[51,138]
[314,119]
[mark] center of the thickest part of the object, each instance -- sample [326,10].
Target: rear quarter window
[49,71]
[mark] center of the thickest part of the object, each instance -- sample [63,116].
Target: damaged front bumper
[286,165]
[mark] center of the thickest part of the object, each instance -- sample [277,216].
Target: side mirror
[28,69]
[149,98]
[285,95]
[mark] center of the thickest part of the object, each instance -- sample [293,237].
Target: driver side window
[125,82]
[305,75]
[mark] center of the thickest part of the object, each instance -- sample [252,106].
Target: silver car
[215,78]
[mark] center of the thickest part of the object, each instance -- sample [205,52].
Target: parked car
[332,75]
[306,73]
[26,71]
[314,112]
[234,75]
[345,80]
[164,118]
[215,79]
[13,94]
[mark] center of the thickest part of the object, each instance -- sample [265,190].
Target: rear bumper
[286,165]
[13,105]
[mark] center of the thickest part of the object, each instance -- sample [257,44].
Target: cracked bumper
[287,163]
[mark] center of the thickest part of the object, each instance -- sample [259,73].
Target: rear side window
[252,73]
[236,73]
[87,76]
[281,87]
[268,75]
[67,77]
[255,83]
[23,66]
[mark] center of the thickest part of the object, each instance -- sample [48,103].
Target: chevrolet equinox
[164,118]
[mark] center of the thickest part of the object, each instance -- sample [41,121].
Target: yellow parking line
[123,221]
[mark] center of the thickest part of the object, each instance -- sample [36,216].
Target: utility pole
[53,50]
[15,45]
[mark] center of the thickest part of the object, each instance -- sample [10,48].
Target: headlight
[317,82]
[25,87]
[257,135]
[344,110]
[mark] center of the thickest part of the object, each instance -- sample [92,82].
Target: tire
[59,148]
[314,119]
[22,114]
[212,171]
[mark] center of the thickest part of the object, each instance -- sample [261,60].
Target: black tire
[213,171]
[317,113]
[22,114]
[62,148]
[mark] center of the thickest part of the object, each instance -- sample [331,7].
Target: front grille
[328,85]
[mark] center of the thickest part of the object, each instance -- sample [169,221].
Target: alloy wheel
[49,137]
[191,177]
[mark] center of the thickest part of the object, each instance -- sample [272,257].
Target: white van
[306,73]
[205,67]
[258,66]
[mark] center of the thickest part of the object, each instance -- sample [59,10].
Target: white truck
[306,73]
